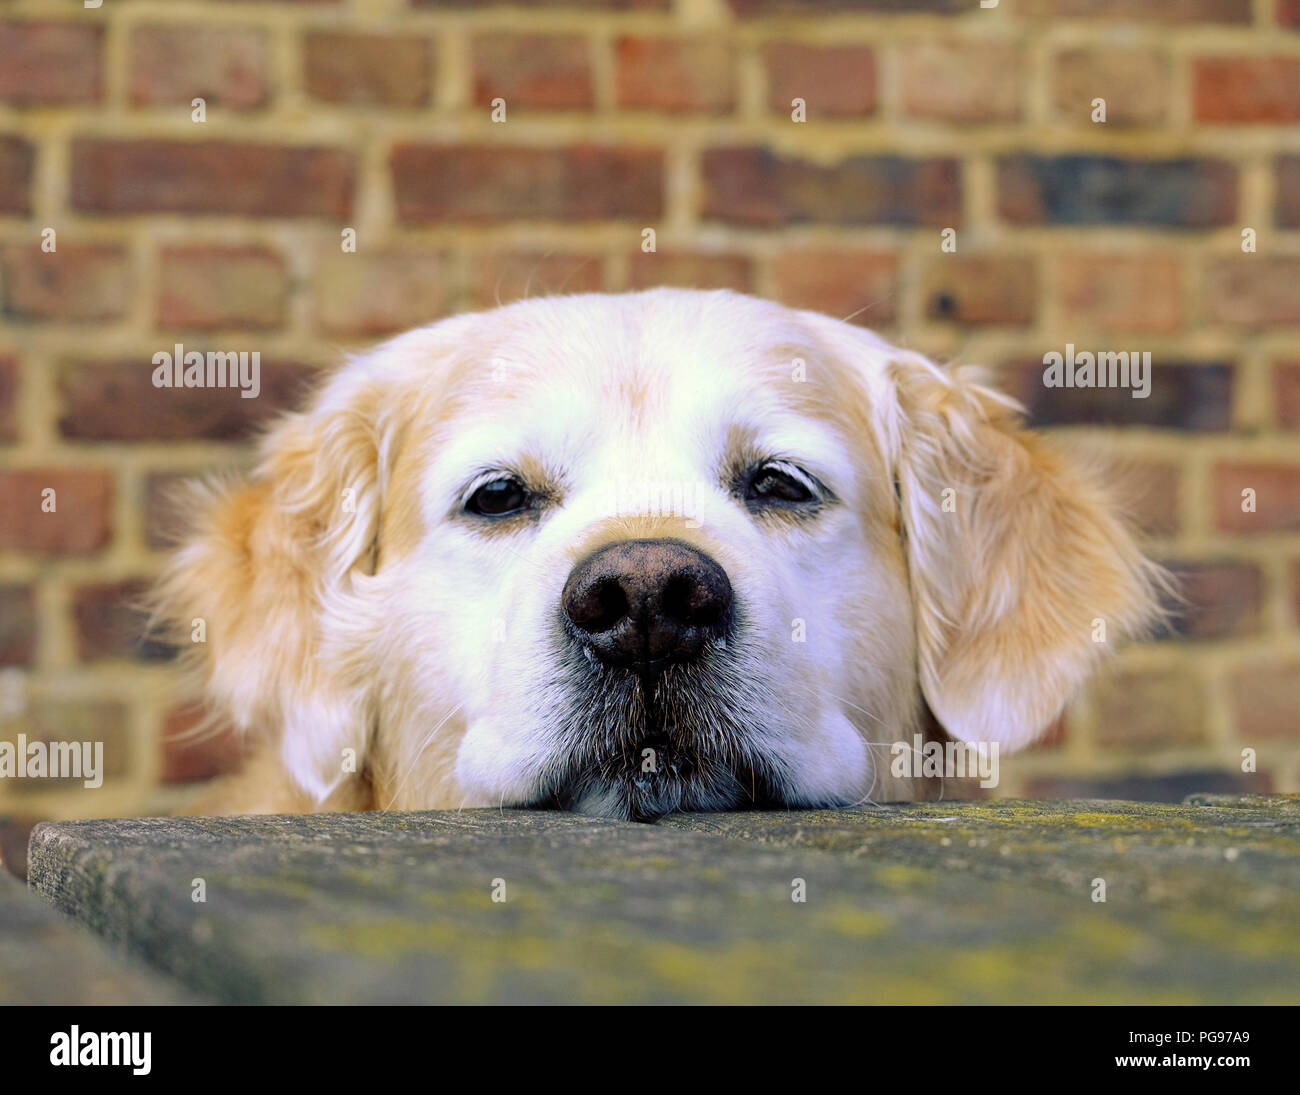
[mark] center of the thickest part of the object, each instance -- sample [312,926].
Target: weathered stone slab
[1288,805]
[1237,854]
[44,959]
[1203,903]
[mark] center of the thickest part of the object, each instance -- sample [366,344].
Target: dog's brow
[812,449]
[534,473]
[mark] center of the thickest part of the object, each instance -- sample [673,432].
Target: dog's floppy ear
[1022,572]
[263,566]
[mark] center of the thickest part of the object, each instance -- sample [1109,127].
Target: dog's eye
[498,498]
[773,483]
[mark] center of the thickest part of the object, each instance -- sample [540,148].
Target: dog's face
[631,554]
[653,562]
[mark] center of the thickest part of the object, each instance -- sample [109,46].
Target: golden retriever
[629,554]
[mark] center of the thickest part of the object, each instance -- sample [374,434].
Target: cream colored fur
[381,650]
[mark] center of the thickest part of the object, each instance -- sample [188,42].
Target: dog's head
[629,554]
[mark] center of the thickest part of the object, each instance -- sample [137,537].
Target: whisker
[419,753]
[866,307]
[528,281]
[576,270]
[848,703]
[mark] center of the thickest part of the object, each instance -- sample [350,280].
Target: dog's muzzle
[653,721]
[644,604]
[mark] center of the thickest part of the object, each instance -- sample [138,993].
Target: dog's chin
[654,780]
[637,749]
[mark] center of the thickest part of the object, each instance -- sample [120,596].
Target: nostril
[676,599]
[609,604]
[694,601]
[599,606]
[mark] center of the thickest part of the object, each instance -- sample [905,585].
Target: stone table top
[948,902]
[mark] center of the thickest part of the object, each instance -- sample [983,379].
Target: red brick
[756,186]
[1184,395]
[1154,11]
[1286,394]
[193,752]
[482,184]
[834,81]
[1121,292]
[1266,702]
[227,67]
[861,284]
[17,624]
[393,70]
[1140,711]
[501,278]
[1253,290]
[80,524]
[676,75]
[1222,599]
[1277,497]
[980,289]
[547,71]
[17,161]
[1133,81]
[962,81]
[205,287]
[690,270]
[1287,187]
[110,623]
[1247,89]
[8,400]
[46,63]
[379,292]
[1149,491]
[75,282]
[234,177]
[1082,190]
[116,401]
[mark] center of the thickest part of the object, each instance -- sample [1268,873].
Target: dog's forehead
[669,367]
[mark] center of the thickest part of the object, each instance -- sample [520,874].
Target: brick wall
[921,115]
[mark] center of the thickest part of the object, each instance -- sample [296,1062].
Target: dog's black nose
[643,603]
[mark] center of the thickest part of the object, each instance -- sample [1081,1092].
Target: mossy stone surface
[987,902]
